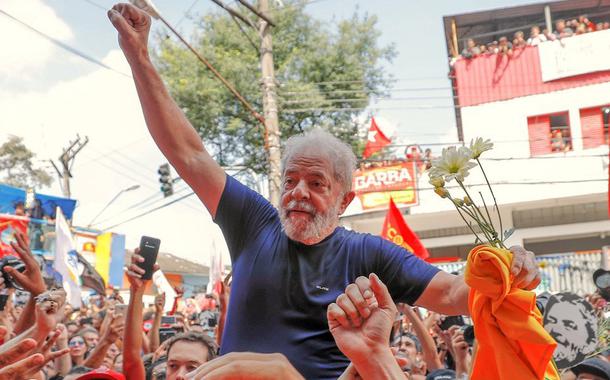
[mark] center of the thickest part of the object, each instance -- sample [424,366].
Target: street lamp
[134,187]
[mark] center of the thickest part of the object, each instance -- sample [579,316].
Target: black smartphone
[149,249]
[3,301]
[168,320]
[165,334]
[454,320]
[86,321]
[468,334]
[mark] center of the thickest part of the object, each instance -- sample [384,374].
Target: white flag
[164,286]
[66,261]
[215,270]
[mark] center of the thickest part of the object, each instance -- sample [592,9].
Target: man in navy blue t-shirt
[290,264]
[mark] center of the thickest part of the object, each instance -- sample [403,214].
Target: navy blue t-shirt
[281,288]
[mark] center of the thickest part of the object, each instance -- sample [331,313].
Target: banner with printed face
[376,185]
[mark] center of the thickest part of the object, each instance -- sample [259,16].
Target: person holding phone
[290,264]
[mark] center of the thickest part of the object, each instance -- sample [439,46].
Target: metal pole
[547,18]
[270,109]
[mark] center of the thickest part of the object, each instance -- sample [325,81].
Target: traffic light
[167,185]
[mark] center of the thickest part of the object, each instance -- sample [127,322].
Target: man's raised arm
[166,122]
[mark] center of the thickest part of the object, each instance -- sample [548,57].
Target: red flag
[395,229]
[375,140]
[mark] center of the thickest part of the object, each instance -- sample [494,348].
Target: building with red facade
[546,107]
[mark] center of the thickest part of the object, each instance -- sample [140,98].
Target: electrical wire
[519,183]
[63,45]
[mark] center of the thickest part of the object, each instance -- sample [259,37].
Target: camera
[601,278]
[468,331]
[11,261]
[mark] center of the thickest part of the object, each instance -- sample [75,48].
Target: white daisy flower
[478,146]
[453,163]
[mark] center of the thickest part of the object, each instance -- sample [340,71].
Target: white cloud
[104,106]
[22,49]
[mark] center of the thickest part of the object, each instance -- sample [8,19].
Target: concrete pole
[270,109]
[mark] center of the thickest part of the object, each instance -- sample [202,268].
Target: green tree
[326,74]
[16,161]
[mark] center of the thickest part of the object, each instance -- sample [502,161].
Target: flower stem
[494,198]
[487,211]
[467,223]
[474,206]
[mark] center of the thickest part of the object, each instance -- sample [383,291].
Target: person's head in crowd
[78,348]
[76,372]
[91,337]
[72,328]
[111,354]
[569,321]
[158,369]
[316,185]
[592,369]
[19,209]
[118,362]
[503,42]
[599,26]
[581,29]
[606,25]
[560,25]
[519,38]
[470,44]
[483,49]
[186,352]
[441,374]
[97,319]
[534,31]
[86,322]
[409,347]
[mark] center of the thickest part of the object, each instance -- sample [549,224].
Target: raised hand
[361,318]
[133,26]
[159,303]
[134,272]
[524,268]
[49,309]
[31,279]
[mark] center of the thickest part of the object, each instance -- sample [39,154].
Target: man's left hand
[524,268]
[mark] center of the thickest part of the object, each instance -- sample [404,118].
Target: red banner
[8,225]
[396,230]
[375,186]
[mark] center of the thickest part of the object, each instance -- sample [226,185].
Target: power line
[355,100]
[372,107]
[519,183]
[186,13]
[63,45]
[330,92]
[97,5]
[150,211]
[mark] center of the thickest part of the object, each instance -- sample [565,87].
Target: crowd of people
[563,29]
[46,338]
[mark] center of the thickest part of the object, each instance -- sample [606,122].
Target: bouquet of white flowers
[454,164]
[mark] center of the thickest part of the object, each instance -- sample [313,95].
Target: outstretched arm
[167,124]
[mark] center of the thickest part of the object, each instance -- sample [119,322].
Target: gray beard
[315,230]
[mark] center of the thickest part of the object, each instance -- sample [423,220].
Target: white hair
[339,154]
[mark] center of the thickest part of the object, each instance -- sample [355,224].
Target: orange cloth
[512,344]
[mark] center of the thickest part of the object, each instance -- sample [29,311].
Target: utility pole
[66,159]
[270,110]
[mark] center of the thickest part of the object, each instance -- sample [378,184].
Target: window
[561,141]
[549,133]
[594,124]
